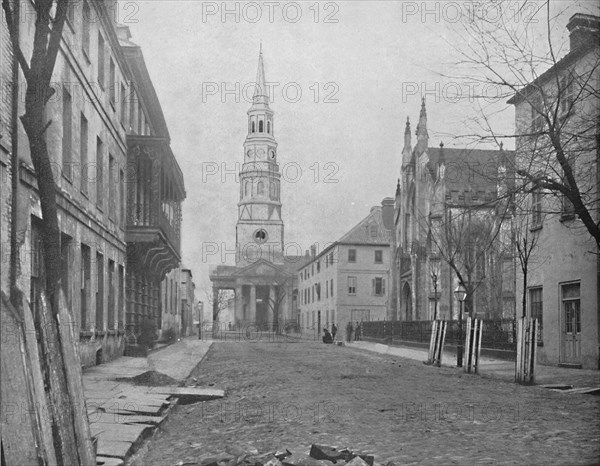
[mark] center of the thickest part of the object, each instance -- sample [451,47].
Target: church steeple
[260,225]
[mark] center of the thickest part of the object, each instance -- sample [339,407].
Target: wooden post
[432,342]
[518,362]
[478,347]
[441,345]
[467,366]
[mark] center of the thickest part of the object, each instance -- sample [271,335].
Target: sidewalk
[121,414]
[493,368]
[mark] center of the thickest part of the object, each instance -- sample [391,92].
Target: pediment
[262,268]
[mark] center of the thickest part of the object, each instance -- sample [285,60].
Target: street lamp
[461,294]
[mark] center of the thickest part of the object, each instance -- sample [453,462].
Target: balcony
[155,190]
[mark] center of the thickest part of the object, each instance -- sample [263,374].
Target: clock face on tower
[272,154]
[249,153]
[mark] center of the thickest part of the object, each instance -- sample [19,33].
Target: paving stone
[412,414]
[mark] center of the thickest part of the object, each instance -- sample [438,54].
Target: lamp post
[461,294]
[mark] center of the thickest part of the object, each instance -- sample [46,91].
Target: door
[571,325]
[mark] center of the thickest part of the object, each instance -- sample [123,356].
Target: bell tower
[259,229]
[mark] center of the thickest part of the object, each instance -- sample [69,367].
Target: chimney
[313,250]
[583,30]
[123,32]
[387,212]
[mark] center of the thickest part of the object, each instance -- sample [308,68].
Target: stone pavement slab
[122,414]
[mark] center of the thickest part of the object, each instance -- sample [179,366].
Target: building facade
[562,282]
[447,209]
[103,114]
[348,281]
[188,302]
[263,278]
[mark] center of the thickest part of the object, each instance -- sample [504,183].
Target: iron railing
[496,333]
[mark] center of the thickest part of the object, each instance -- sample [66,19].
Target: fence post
[467,352]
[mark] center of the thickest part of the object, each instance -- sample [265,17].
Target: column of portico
[252,316]
[270,305]
[239,304]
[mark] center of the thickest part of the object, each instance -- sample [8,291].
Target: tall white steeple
[259,230]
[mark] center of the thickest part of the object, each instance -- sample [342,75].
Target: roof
[564,62]
[469,168]
[369,231]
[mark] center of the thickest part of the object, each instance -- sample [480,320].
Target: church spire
[260,89]
[407,150]
[422,136]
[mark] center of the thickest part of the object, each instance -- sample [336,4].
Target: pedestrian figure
[327,336]
[357,332]
[333,331]
[349,332]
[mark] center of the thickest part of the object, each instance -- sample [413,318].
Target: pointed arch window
[269,127]
[260,126]
[253,127]
[261,188]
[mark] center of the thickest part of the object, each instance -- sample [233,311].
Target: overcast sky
[360,66]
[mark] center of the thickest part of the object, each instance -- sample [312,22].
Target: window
[268,127]
[351,255]
[83,153]
[572,308]
[112,84]
[132,108]
[140,117]
[331,285]
[260,188]
[85,30]
[327,288]
[99,292]
[379,257]
[378,286]
[537,115]
[111,294]
[100,60]
[253,127]
[318,266]
[122,199]
[86,270]
[536,308]
[260,126]
[373,230]
[123,105]
[318,288]
[351,285]
[536,208]
[566,93]
[111,187]
[67,124]
[99,174]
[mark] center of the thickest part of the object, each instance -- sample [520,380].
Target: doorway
[570,347]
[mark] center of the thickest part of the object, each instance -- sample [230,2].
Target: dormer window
[260,126]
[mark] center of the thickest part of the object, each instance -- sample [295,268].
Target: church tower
[259,229]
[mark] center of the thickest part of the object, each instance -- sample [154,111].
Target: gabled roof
[369,231]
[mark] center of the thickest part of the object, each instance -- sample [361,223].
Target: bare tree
[558,112]
[218,300]
[277,298]
[70,430]
[465,239]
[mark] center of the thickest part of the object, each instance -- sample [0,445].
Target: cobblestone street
[290,395]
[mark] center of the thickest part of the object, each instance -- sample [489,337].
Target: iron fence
[497,334]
